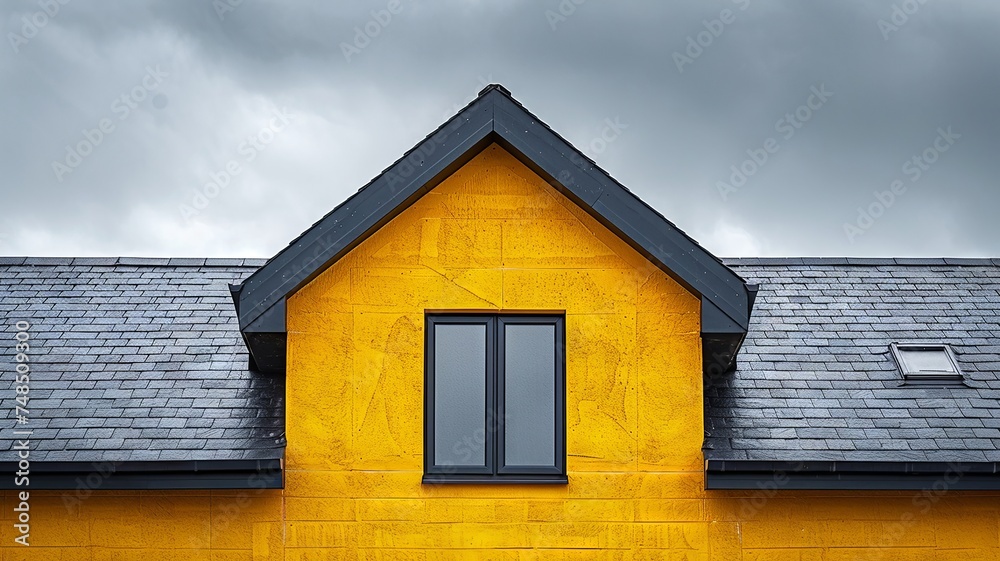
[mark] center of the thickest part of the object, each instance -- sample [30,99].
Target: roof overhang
[109,475]
[494,117]
[851,476]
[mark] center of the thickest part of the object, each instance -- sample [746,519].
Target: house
[496,351]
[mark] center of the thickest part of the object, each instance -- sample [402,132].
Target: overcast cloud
[838,96]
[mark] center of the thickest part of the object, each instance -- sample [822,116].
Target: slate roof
[136,360]
[142,360]
[817,381]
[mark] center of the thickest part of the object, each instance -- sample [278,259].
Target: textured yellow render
[496,237]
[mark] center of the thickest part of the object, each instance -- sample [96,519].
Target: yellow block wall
[240,525]
[496,237]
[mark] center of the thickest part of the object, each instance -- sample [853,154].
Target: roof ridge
[134,261]
[865,261]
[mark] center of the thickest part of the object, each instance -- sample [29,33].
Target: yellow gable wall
[496,237]
[491,237]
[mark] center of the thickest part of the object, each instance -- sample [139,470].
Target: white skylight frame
[952,373]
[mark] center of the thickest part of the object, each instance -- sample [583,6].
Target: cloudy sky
[760,127]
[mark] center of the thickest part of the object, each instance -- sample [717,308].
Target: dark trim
[166,475]
[851,476]
[430,467]
[491,480]
[493,471]
[493,117]
[559,406]
[421,169]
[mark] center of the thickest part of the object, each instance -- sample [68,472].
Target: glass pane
[459,395]
[926,360]
[529,387]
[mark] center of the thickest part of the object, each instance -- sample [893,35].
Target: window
[932,361]
[495,397]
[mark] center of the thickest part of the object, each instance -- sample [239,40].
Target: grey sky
[199,79]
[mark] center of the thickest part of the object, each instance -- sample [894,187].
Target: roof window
[926,361]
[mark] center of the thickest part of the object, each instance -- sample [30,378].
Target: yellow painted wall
[496,237]
[145,526]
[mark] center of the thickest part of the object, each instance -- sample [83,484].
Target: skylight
[926,361]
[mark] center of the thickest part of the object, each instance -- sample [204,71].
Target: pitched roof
[817,382]
[138,360]
[494,117]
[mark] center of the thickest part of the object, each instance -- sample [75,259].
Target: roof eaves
[150,475]
[849,475]
[493,117]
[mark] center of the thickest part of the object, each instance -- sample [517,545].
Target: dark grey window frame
[495,471]
[918,377]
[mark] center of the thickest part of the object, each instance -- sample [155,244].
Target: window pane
[529,387]
[926,360]
[459,394]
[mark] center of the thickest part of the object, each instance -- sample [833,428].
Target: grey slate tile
[144,261]
[48,261]
[106,353]
[857,307]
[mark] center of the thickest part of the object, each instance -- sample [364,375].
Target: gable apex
[493,117]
